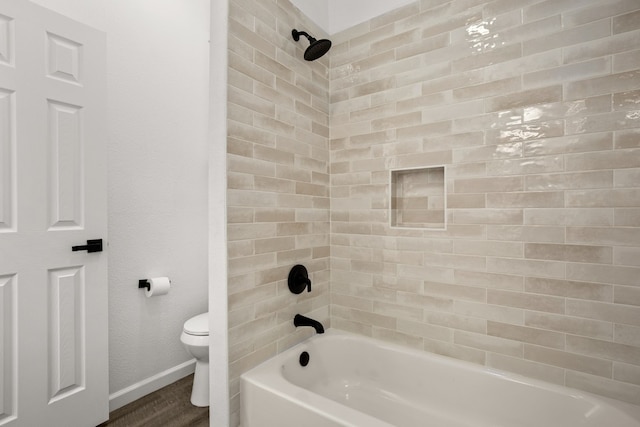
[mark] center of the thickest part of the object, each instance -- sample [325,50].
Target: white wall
[334,16]
[158,95]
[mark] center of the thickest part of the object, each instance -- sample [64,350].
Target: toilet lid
[197,325]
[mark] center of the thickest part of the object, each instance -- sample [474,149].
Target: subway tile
[617,236]
[483,30]
[602,122]
[531,30]
[568,360]
[629,256]
[454,111]
[526,334]
[604,349]
[603,198]
[627,334]
[617,159]
[626,61]
[541,9]
[576,108]
[541,155]
[533,165]
[627,217]
[626,101]
[250,231]
[492,88]
[575,71]
[489,280]
[627,22]
[489,248]
[488,216]
[498,313]
[627,177]
[571,253]
[396,121]
[425,330]
[629,295]
[617,313]
[452,81]
[267,184]
[397,337]
[421,46]
[538,234]
[527,132]
[488,185]
[526,267]
[568,181]
[488,343]
[450,349]
[569,288]
[538,199]
[570,36]
[425,130]
[537,302]
[458,292]
[570,325]
[525,98]
[626,373]
[251,296]
[465,201]
[455,321]
[617,274]
[507,149]
[490,57]
[526,64]
[569,216]
[596,11]
[397,311]
[239,181]
[443,20]
[274,244]
[601,85]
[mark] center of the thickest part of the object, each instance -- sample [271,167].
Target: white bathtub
[358,381]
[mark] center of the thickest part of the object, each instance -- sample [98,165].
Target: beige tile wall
[278,182]
[534,108]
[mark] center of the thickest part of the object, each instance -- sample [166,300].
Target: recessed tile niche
[418,198]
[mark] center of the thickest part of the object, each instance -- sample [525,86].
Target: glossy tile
[532,108]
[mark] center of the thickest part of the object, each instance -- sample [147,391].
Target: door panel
[53,323]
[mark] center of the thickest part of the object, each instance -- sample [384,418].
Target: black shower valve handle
[299,279]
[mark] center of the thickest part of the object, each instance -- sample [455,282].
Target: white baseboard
[151,384]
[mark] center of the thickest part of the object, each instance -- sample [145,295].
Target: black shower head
[316,48]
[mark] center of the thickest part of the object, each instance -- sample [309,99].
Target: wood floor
[167,407]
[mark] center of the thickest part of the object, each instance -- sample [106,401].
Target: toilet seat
[197,325]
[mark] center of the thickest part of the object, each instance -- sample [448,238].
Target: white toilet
[195,337]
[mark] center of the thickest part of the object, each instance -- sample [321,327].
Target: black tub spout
[300,320]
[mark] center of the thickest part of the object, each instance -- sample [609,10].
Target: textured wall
[158,102]
[534,109]
[278,182]
[157,141]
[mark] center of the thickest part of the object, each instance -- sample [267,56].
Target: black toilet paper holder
[144,284]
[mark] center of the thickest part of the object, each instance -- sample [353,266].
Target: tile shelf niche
[418,198]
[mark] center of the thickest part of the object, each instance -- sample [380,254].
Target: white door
[53,301]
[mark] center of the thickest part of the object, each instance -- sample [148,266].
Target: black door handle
[91,246]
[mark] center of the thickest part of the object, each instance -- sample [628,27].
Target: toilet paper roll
[158,286]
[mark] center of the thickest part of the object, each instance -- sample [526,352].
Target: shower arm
[296,35]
